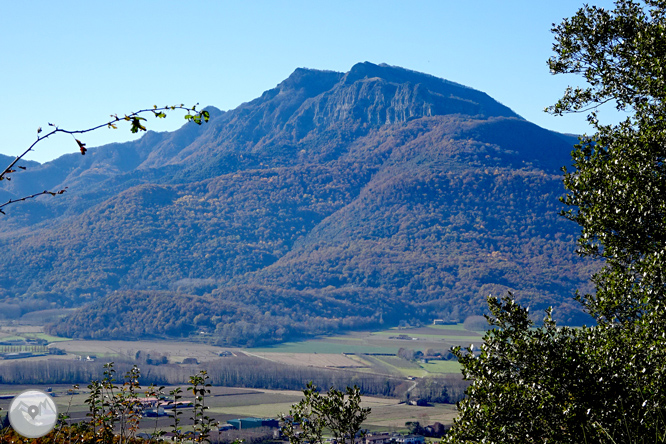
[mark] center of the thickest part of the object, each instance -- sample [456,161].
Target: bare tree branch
[136,121]
[32,196]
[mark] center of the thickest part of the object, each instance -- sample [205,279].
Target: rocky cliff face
[380,94]
[368,96]
[345,106]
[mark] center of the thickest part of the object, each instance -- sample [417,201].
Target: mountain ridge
[53,174]
[389,194]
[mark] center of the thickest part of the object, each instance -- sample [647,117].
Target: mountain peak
[311,81]
[371,95]
[334,200]
[365,70]
[392,74]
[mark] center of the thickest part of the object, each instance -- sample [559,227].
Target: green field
[455,334]
[441,367]
[451,327]
[255,410]
[46,337]
[12,338]
[384,341]
[370,348]
[444,337]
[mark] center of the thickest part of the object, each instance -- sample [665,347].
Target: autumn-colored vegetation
[261,227]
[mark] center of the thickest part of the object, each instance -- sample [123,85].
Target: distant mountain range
[333,201]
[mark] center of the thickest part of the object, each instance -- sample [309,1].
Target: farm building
[382,438]
[443,322]
[411,439]
[18,355]
[251,423]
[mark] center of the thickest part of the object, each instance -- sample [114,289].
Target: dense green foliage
[605,383]
[336,412]
[617,190]
[560,384]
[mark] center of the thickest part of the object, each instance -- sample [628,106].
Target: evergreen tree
[604,383]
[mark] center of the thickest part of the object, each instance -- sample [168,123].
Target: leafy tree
[616,192]
[415,427]
[137,124]
[605,383]
[336,411]
[556,384]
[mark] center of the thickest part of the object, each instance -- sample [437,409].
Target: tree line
[238,371]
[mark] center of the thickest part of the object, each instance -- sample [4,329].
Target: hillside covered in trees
[333,201]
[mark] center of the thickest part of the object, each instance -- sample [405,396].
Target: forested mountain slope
[335,200]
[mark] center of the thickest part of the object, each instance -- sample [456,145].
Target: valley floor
[362,353]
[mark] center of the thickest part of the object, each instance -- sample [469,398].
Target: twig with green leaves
[157,393]
[176,429]
[101,405]
[199,386]
[137,124]
[336,411]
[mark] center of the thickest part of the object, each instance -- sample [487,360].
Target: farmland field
[128,349]
[441,367]
[20,329]
[370,350]
[46,337]
[328,346]
[367,352]
[356,352]
[392,416]
[308,359]
[431,333]
[385,341]
[392,365]
[228,403]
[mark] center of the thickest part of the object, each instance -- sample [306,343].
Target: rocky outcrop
[368,96]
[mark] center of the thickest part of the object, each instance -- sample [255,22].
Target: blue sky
[73,63]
